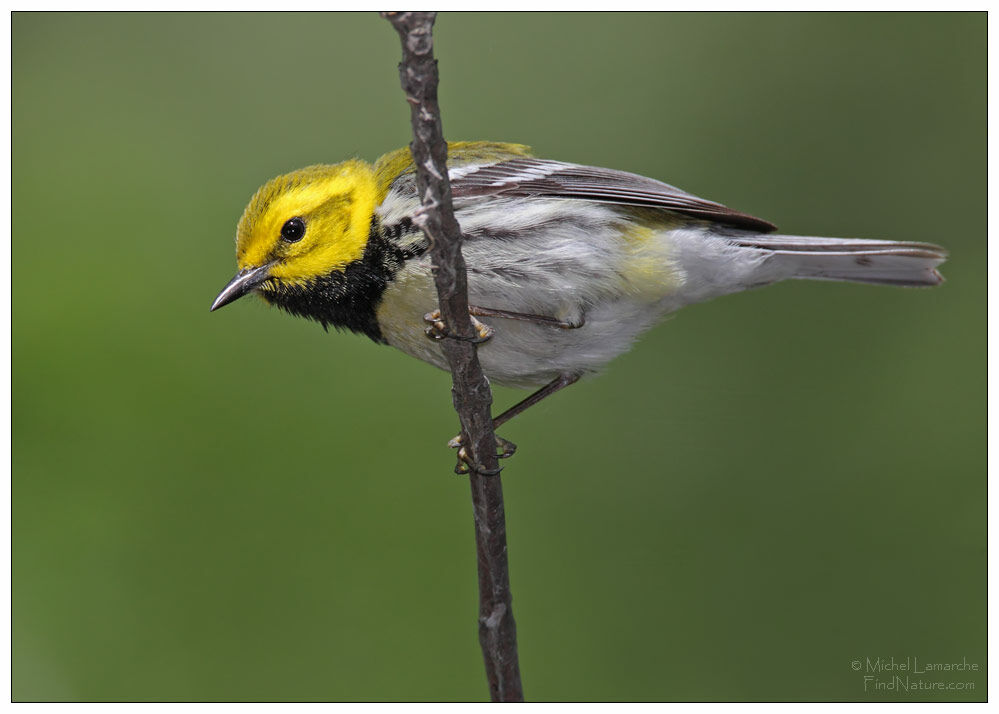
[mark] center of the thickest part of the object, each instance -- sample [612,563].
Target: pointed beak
[240,285]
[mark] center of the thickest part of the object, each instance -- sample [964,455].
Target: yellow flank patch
[650,270]
[336,203]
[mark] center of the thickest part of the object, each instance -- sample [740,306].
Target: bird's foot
[466,463]
[437,330]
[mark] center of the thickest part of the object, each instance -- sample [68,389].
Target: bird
[567,264]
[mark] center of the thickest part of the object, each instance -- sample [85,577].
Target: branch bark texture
[470,390]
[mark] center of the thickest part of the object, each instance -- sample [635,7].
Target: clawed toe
[437,330]
[505,449]
[483,331]
[466,465]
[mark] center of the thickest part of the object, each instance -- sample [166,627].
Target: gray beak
[240,285]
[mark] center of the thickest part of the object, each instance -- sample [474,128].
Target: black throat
[348,299]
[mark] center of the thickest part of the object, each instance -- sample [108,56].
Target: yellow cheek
[321,257]
[336,233]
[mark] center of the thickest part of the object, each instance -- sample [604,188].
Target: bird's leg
[507,448]
[525,317]
[560,382]
[437,330]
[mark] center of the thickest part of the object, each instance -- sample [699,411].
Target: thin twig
[470,390]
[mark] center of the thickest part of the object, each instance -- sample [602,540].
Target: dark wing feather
[538,177]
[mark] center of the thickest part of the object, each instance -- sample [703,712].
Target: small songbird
[567,264]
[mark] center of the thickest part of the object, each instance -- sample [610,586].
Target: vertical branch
[470,390]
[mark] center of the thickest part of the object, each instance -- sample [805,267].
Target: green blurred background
[238,506]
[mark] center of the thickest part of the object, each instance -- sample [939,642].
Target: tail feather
[858,260]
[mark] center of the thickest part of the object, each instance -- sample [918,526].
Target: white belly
[519,354]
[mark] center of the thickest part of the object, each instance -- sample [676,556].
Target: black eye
[293,230]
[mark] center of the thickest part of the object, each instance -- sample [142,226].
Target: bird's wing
[526,176]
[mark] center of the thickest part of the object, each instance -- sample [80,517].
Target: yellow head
[301,228]
[308,223]
[306,241]
[305,244]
